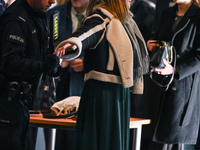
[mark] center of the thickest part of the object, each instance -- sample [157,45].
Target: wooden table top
[136,121]
[38,119]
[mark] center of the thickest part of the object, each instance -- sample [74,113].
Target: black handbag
[164,51]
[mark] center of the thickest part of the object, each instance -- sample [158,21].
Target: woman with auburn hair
[115,60]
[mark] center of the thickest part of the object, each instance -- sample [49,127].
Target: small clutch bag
[164,51]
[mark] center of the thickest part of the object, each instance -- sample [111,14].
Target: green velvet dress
[103,118]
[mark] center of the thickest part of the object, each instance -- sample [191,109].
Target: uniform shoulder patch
[22,19]
[15,38]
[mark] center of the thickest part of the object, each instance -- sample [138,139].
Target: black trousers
[14,121]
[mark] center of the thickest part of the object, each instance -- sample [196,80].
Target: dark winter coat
[144,11]
[71,81]
[2,6]
[175,113]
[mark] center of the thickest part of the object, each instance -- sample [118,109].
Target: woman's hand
[151,45]
[64,63]
[67,47]
[167,70]
[77,65]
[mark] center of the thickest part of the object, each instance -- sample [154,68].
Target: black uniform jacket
[175,113]
[23,42]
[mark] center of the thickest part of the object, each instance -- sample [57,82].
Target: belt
[22,89]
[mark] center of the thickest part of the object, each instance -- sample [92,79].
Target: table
[136,124]
[37,120]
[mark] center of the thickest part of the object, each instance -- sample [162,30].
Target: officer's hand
[49,64]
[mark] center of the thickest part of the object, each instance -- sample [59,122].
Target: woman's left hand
[167,70]
[67,47]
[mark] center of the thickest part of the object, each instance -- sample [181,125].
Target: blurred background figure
[144,11]
[5,4]
[161,5]
[2,6]
[71,80]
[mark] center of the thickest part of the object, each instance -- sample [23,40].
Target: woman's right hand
[167,70]
[151,45]
[67,47]
[64,63]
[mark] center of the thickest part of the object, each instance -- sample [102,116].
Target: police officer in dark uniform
[23,58]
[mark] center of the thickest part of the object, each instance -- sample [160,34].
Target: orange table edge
[37,120]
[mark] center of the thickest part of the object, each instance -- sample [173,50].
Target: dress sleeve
[88,36]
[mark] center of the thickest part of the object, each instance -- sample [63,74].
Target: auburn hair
[197,2]
[117,8]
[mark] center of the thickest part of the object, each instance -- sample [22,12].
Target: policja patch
[15,38]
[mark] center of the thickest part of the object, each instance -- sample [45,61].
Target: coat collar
[187,17]
[191,11]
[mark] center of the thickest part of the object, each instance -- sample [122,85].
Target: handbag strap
[165,87]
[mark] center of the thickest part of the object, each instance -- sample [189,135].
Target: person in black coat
[144,11]
[72,76]
[175,112]
[23,55]
[71,80]
[161,5]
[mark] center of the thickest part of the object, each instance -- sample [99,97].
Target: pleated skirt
[103,117]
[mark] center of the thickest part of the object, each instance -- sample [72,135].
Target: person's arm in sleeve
[86,37]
